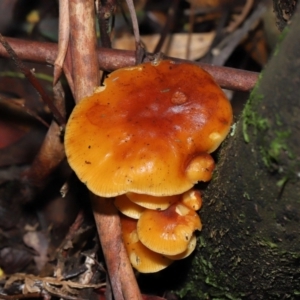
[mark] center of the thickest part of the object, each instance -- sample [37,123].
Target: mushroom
[202,167]
[192,199]
[142,259]
[149,130]
[127,207]
[168,231]
[152,202]
[190,248]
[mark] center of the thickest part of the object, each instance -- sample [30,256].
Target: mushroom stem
[108,221]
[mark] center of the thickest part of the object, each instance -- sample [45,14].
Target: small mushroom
[192,199]
[127,207]
[142,259]
[148,130]
[190,248]
[201,166]
[152,202]
[168,231]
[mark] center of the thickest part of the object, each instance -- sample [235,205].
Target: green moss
[233,129]
[278,120]
[250,117]
[281,183]
[246,195]
[268,244]
[297,293]
[279,144]
[280,39]
[273,150]
[205,283]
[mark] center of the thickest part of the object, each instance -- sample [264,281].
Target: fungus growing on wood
[190,248]
[192,199]
[148,130]
[168,231]
[142,259]
[127,207]
[152,202]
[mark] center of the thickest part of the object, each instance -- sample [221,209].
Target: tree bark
[250,245]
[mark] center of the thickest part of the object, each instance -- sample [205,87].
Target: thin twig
[229,43]
[63,38]
[105,11]
[191,29]
[22,105]
[241,17]
[140,52]
[34,82]
[50,155]
[168,26]
[134,20]
[68,70]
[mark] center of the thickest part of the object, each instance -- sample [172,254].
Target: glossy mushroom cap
[142,259]
[190,248]
[153,202]
[192,199]
[168,231]
[145,129]
[127,207]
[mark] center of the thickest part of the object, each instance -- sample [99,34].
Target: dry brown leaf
[34,283]
[38,241]
[257,47]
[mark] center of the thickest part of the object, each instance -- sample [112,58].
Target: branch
[86,78]
[112,59]
[63,38]
[33,81]
[50,155]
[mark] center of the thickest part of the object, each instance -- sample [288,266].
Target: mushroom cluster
[145,138]
[155,237]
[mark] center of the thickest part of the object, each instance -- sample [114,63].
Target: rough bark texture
[250,245]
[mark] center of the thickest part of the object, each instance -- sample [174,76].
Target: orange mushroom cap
[189,250]
[141,258]
[145,129]
[168,231]
[127,207]
[153,202]
[192,199]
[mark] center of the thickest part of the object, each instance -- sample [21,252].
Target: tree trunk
[250,245]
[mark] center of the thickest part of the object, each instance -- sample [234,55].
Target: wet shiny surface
[140,133]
